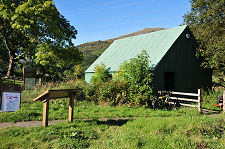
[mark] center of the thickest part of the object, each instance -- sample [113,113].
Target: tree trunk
[11,57]
[11,65]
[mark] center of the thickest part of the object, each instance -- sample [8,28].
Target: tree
[34,29]
[54,60]
[206,20]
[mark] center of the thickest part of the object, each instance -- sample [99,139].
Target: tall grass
[169,132]
[29,95]
[210,97]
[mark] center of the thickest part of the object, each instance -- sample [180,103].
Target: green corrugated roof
[156,44]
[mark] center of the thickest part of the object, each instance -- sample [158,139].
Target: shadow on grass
[110,122]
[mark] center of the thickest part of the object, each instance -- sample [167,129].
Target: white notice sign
[10,101]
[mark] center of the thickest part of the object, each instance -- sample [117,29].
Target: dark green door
[169,81]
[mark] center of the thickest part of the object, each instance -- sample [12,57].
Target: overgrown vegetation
[132,84]
[210,98]
[137,73]
[206,20]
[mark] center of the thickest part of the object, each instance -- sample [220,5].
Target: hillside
[92,50]
[144,31]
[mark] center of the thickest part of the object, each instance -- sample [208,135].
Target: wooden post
[45,113]
[224,101]
[71,106]
[199,100]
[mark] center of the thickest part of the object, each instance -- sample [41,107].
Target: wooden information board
[55,94]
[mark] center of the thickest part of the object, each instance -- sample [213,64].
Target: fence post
[199,100]
[224,101]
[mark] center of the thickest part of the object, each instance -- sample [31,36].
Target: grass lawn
[179,128]
[182,128]
[85,110]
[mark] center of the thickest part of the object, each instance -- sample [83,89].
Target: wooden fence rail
[185,99]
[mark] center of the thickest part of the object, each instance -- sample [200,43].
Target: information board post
[45,113]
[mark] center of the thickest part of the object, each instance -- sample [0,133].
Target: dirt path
[39,123]
[210,112]
[28,123]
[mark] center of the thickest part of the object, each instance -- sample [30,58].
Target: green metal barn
[172,57]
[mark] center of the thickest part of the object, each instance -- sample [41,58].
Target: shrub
[132,84]
[209,98]
[113,92]
[138,74]
[101,75]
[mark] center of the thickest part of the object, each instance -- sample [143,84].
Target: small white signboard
[10,101]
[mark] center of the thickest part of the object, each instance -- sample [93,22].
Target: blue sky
[105,19]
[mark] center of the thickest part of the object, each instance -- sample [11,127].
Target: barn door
[169,81]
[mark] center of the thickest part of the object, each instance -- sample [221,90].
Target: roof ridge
[152,32]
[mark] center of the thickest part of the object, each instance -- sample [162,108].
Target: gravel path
[28,123]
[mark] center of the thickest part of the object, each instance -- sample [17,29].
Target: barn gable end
[179,69]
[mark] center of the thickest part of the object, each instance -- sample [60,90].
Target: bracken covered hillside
[144,31]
